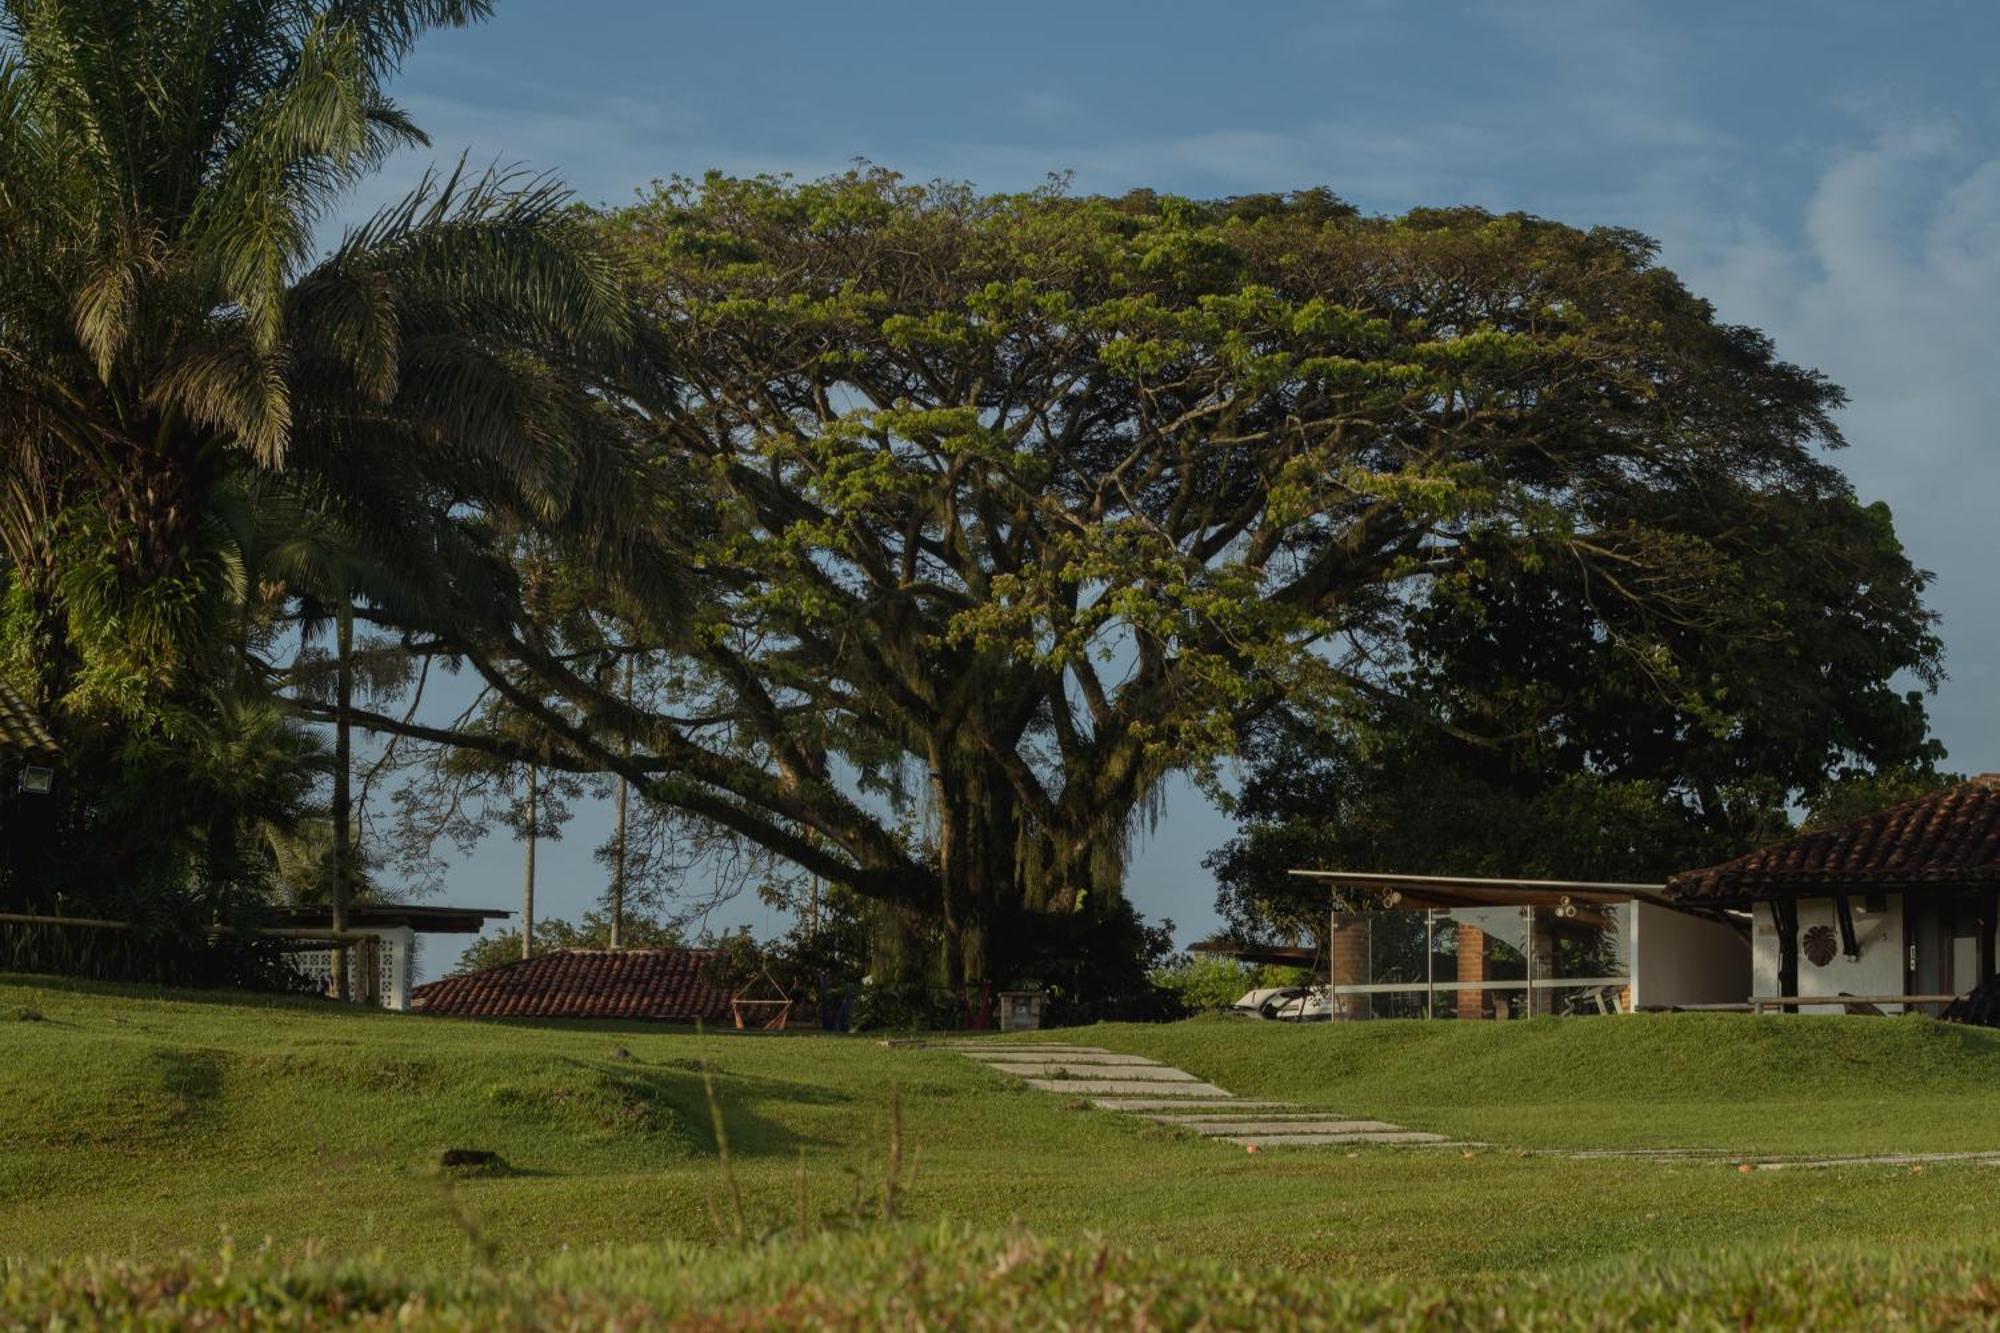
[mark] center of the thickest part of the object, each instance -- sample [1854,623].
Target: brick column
[1471,967]
[1542,944]
[1348,957]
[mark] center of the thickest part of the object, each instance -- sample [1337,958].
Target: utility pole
[343,800]
[528,890]
[618,863]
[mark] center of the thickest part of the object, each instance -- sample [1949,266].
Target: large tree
[1004,508]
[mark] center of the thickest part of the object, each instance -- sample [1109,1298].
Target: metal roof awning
[1277,955]
[429,919]
[1417,891]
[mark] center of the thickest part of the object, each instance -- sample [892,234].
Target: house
[656,985]
[1453,946]
[1896,909]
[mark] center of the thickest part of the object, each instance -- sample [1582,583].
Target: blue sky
[1829,172]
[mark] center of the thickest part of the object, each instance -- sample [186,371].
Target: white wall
[1682,959]
[1878,971]
[395,963]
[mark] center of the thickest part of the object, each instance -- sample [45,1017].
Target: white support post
[1632,951]
[401,944]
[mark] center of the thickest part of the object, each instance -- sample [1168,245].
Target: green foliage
[1416,800]
[213,436]
[551,934]
[1865,794]
[1210,982]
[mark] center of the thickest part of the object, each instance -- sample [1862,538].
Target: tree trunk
[528,887]
[343,846]
[979,881]
[222,856]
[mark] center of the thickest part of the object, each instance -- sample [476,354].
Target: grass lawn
[1734,1082]
[135,1126]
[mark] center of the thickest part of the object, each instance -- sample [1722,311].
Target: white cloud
[1893,289]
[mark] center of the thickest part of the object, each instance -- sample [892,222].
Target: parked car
[1312,1005]
[1287,1004]
[1265,1001]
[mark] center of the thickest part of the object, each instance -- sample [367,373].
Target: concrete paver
[1130,1073]
[1096,1060]
[1408,1136]
[1195,1107]
[1101,1087]
[1018,1048]
[1275,1125]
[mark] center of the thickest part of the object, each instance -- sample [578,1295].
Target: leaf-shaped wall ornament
[1819,945]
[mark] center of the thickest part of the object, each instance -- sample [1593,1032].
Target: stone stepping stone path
[1164,1095]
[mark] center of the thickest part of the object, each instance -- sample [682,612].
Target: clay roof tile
[651,984]
[1947,839]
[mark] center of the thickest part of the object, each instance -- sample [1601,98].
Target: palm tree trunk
[528,889]
[343,846]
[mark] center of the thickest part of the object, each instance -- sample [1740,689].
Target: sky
[1828,172]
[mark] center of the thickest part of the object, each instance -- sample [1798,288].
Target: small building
[1896,909]
[652,985]
[381,940]
[1452,946]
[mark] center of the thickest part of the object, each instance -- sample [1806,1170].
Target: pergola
[1419,891]
[385,938]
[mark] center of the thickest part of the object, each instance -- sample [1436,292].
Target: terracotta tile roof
[658,984]
[21,732]
[1948,838]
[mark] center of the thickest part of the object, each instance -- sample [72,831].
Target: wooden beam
[1843,912]
[1759,1003]
[1989,915]
[1786,910]
[35,919]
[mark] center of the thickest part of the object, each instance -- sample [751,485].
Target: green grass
[950,1278]
[136,1126]
[1732,1082]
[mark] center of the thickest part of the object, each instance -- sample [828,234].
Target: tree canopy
[995,511]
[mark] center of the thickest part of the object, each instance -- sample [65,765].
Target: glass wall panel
[1382,949]
[1481,944]
[1482,962]
[1587,940]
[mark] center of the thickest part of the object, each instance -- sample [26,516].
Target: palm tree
[460,365]
[165,320]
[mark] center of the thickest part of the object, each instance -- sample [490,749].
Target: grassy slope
[1783,1084]
[139,1125]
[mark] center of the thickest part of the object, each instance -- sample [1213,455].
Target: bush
[1208,982]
